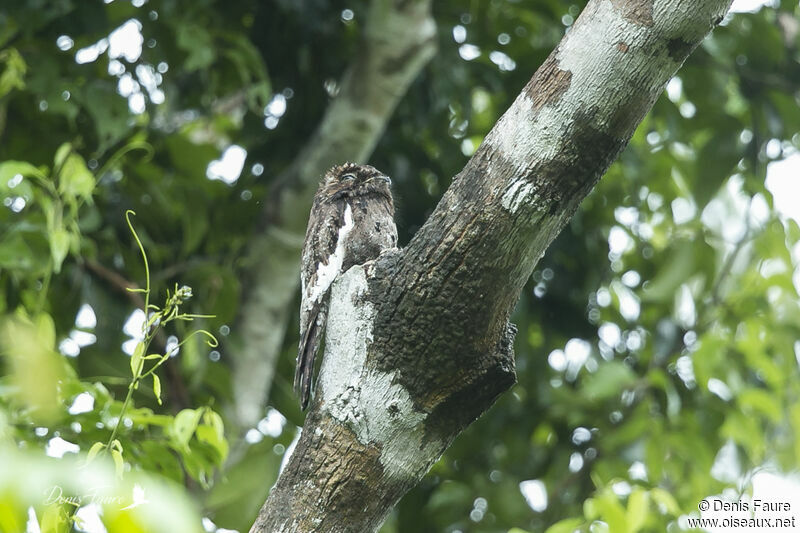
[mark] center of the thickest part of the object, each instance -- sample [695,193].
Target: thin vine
[155,318]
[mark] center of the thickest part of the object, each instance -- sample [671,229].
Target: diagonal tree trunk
[399,40]
[418,344]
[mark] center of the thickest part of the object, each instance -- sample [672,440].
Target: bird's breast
[374,231]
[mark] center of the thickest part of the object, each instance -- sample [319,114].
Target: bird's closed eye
[349,177]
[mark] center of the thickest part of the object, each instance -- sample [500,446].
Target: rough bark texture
[399,40]
[418,344]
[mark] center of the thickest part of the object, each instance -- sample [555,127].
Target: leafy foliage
[657,336]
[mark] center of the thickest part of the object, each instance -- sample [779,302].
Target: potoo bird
[351,222]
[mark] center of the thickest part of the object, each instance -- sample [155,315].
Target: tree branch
[399,40]
[418,344]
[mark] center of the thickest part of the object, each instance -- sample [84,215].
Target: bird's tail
[306,353]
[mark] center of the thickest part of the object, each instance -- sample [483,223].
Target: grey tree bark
[418,342]
[399,40]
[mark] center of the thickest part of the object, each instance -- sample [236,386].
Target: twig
[178,392]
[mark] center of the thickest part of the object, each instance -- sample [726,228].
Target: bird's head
[350,180]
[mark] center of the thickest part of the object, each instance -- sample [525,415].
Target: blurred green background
[658,351]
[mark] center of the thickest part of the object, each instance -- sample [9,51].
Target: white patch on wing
[327,273]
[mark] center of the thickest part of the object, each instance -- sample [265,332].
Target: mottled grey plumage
[351,222]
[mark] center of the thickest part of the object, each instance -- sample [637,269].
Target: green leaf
[611,511]
[137,360]
[716,161]
[15,254]
[8,30]
[252,71]
[54,520]
[195,230]
[61,155]
[45,331]
[11,519]
[636,514]
[197,41]
[75,181]
[13,72]
[160,458]
[189,157]
[659,378]
[654,454]
[9,169]
[213,419]
[59,247]
[212,432]
[184,426]
[610,379]
[666,500]
[94,450]
[157,388]
[109,112]
[745,431]
[710,357]
[562,526]
[119,464]
[144,416]
[590,510]
[750,340]
[759,401]
[197,466]
[678,267]
[209,436]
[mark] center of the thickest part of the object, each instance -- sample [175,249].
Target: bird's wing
[323,256]
[307,351]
